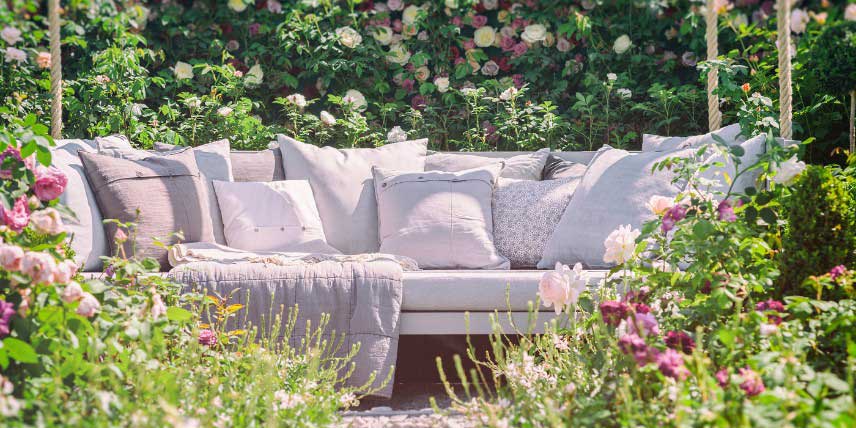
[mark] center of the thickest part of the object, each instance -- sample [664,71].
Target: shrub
[821,231]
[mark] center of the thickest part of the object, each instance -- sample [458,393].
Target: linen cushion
[525,212]
[168,191]
[522,167]
[556,167]
[86,230]
[657,143]
[753,149]
[271,216]
[265,165]
[440,219]
[613,192]
[212,159]
[341,180]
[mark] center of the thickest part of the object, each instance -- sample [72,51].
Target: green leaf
[178,314]
[769,216]
[19,350]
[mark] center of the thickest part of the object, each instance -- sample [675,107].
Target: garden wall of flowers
[346,72]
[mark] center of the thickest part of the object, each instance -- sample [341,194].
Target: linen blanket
[361,294]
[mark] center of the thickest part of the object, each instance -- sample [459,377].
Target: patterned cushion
[525,212]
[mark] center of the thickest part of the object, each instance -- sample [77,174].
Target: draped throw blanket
[361,295]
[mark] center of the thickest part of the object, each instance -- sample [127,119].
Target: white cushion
[341,180]
[271,216]
[474,290]
[442,220]
[658,143]
[88,241]
[528,166]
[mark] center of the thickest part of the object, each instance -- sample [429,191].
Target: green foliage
[821,230]
[832,57]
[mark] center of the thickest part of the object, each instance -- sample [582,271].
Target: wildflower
[88,305]
[672,217]
[484,37]
[671,364]
[752,383]
[396,135]
[207,337]
[613,312]
[11,35]
[7,309]
[622,44]
[837,271]
[788,170]
[560,343]
[43,59]
[620,244]
[349,37]
[10,257]
[680,341]
[72,293]
[284,401]
[327,118]
[725,212]
[16,55]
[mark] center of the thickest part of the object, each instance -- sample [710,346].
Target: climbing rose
[72,293]
[484,36]
[50,183]
[349,37]
[620,244]
[88,306]
[18,217]
[39,266]
[64,271]
[207,337]
[6,311]
[10,257]
[752,383]
[788,170]
[47,221]
[534,33]
[16,55]
[680,341]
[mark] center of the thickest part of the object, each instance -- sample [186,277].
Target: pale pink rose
[43,59]
[554,289]
[39,266]
[479,21]
[520,49]
[18,217]
[850,12]
[120,236]
[273,6]
[88,306]
[507,43]
[64,271]
[47,221]
[490,68]
[72,293]
[11,35]
[469,44]
[660,204]
[563,45]
[50,183]
[10,257]
[16,55]
[158,307]
[395,5]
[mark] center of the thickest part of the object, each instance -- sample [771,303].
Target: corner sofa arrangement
[478,225]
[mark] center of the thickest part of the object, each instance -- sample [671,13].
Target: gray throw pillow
[525,212]
[442,220]
[658,143]
[614,191]
[521,167]
[341,180]
[557,167]
[168,191]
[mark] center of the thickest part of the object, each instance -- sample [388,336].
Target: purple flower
[771,306]
[681,341]
[722,377]
[634,345]
[752,383]
[207,337]
[417,102]
[725,212]
[837,271]
[613,312]
[643,324]
[671,364]
[6,311]
[673,216]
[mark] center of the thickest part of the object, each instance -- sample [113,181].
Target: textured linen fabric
[657,143]
[168,191]
[265,165]
[522,167]
[442,220]
[614,191]
[86,230]
[272,216]
[362,300]
[753,149]
[341,180]
[525,213]
[557,167]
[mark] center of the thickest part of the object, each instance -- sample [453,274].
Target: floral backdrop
[347,72]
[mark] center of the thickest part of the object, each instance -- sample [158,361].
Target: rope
[56,69]
[784,49]
[714,116]
[852,122]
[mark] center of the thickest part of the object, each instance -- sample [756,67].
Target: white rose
[255,75]
[620,244]
[490,4]
[452,4]
[799,20]
[17,55]
[788,170]
[327,118]
[183,70]
[622,44]
[442,84]
[534,33]
[422,73]
[349,37]
[410,14]
[224,111]
[11,35]
[237,5]
[660,204]
[396,135]
[611,77]
[355,98]
[297,99]
[398,54]
[850,12]
[508,94]
[624,93]
[553,288]
[484,36]
[383,35]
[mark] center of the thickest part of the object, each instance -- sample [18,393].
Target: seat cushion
[474,290]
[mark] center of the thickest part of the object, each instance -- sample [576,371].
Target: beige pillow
[341,180]
[271,216]
[443,220]
[658,143]
[527,166]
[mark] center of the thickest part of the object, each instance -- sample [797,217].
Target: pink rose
[39,266]
[158,307]
[457,22]
[520,49]
[479,21]
[469,44]
[50,183]
[554,289]
[72,293]
[659,205]
[563,44]
[397,25]
[10,257]
[207,337]
[47,221]
[506,43]
[64,271]
[88,306]
[18,217]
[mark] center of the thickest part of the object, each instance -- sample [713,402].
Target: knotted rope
[714,116]
[56,69]
[784,48]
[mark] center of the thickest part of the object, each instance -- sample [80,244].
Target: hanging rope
[56,69]
[714,116]
[784,49]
